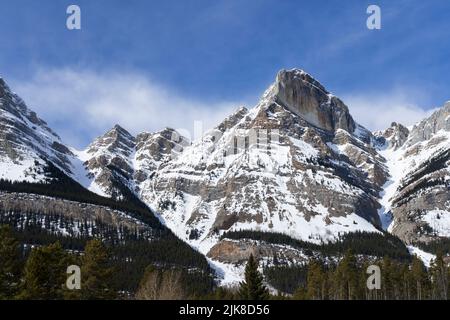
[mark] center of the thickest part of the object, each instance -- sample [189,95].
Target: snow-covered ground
[80,173]
[396,169]
[426,257]
[439,220]
[20,171]
[228,274]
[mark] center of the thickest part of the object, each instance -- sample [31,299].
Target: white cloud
[376,111]
[81,105]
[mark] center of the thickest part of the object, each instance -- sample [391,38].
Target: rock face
[421,201]
[393,137]
[77,213]
[296,163]
[26,141]
[109,160]
[428,128]
[307,98]
[118,161]
[238,252]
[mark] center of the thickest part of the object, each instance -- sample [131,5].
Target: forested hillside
[66,213]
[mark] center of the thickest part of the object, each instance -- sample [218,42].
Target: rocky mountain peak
[300,93]
[393,137]
[424,130]
[115,139]
[26,140]
[158,145]
[4,88]
[13,104]
[119,133]
[232,119]
[118,158]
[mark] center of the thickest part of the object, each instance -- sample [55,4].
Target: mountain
[304,168]
[418,194]
[119,162]
[46,196]
[26,141]
[285,179]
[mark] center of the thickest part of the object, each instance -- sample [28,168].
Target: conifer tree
[10,264]
[439,273]
[372,293]
[386,278]
[253,288]
[316,281]
[419,279]
[45,273]
[405,282]
[96,272]
[346,278]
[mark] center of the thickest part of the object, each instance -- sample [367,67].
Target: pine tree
[96,272]
[316,281]
[386,278]
[405,282]
[252,288]
[420,280]
[439,273]
[10,264]
[368,294]
[45,273]
[346,279]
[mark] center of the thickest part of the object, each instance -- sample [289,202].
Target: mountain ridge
[296,163]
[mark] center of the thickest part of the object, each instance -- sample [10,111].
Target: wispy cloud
[83,104]
[376,111]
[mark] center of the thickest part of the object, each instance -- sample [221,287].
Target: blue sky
[201,59]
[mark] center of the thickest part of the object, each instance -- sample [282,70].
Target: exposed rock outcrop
[296,163]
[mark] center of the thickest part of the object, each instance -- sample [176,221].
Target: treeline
[107,272]
[347,280]
[435,246]
[59,185]
[132,251]
[42,274]
[363,243]
[34,225]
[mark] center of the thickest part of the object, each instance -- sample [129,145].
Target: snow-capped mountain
[118,160]
[418,193]
[26,141]
[296,163]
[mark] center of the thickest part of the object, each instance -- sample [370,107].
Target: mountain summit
[306,97]
[26,141]
[297,163]
[304,168]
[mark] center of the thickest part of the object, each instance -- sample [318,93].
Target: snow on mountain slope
[27,143]
[426,257]
[118,160]
[297,163]
[417,194]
